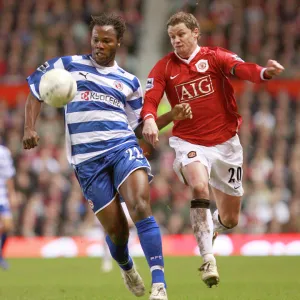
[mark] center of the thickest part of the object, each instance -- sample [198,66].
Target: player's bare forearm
[164,120]
[32,111]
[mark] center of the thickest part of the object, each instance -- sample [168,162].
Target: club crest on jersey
[118,85]
[202,65]
[91,204]
[149,84]
[192,154]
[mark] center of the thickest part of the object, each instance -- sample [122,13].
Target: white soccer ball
[57,87]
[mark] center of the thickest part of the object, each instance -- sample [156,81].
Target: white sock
[218,227]
[202,225]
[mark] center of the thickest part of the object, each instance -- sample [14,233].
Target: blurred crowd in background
[49,199]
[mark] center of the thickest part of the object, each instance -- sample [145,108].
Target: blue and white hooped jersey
[105,110]
[7,172]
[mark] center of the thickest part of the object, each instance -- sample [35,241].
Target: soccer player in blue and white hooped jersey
[102,122]
[7,197]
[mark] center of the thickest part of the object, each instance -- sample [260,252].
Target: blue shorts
[101,178]
[5,209]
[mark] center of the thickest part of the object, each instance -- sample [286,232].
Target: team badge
[192,154]
[149,84]
[118,85]
[91,204]
[202,65]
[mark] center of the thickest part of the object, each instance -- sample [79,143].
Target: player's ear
[197,33]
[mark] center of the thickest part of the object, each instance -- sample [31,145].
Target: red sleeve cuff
[263,74]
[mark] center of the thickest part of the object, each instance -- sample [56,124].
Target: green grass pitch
[242,278]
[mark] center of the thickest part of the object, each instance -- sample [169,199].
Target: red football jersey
[203,82]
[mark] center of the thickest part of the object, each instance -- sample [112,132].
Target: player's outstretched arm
[32,111]
[256,73]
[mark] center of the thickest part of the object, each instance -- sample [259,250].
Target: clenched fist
[181,112]
[30,139]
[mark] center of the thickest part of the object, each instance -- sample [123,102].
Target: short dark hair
[104,19]
[186,18]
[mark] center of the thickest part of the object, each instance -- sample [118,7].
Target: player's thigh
[195,174]
[114,221]
[229,206]
[132,174]
[135,191]
[191,164]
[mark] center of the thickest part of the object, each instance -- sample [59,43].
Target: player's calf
[224,224]
[150,238]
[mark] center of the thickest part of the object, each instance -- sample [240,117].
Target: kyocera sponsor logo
[95,96]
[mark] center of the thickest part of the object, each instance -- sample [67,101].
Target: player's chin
[101,58]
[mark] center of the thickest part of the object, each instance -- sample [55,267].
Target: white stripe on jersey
[95,115]
[101,80]
[79,158]
[97,136]
[35,93]
[59,64]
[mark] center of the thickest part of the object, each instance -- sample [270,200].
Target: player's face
[183,39]
[104,45]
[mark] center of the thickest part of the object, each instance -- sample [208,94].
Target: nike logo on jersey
[84,75]
[236,187]
[173,77]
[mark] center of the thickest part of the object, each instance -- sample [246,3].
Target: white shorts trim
[106,204]
[141,167]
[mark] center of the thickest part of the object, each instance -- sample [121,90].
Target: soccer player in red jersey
[207,147]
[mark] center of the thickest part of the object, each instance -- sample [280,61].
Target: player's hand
[182,112]
[30,139]
[273,68]
[150,132]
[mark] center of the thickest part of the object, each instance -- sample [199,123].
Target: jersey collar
[102,68]
[187,61]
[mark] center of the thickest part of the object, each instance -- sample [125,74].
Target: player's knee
[230,221]
[141,208]
[201,190]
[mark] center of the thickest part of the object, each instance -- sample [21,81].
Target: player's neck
[189,59]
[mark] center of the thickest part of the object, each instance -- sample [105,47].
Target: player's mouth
[178,47]
[100,54]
